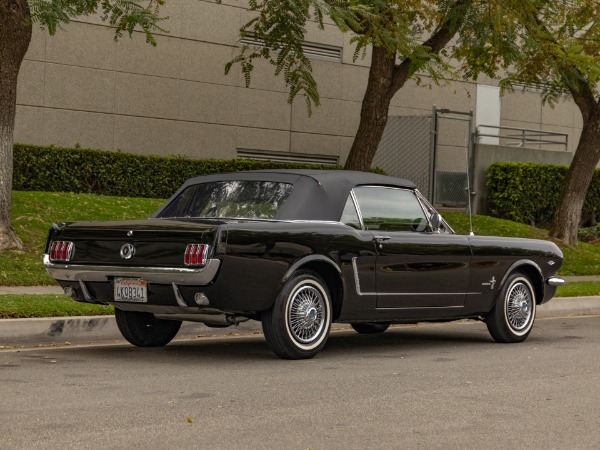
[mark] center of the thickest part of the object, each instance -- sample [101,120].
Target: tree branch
[436,42]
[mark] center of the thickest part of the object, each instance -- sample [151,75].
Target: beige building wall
[81,87]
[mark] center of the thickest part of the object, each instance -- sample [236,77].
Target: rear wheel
[298,324]
[370,327]
[144,330]
[512,318]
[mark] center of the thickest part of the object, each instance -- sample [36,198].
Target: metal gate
[451,149]
[433,151]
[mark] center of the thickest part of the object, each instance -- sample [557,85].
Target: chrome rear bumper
[161,275]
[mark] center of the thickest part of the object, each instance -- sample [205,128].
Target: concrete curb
[58,330]
[95,328]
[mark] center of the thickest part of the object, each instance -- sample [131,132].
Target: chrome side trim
[422,307]
[178,296]
[160,275]
[360,217]
[356,280]
[86,293]
[360,293]
[555,281]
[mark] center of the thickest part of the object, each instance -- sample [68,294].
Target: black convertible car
[298,250]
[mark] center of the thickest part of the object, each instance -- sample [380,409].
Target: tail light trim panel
[62,251]
[196,255]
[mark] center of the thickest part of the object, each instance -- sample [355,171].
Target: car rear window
[230,199]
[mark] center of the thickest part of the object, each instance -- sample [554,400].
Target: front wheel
[144,330]
[298,324]
[512,318]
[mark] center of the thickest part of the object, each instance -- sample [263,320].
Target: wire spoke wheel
[306,317]
[298,323]
[519,306]
[512,318]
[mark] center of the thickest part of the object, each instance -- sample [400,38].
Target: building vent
[301,158]
[312,50]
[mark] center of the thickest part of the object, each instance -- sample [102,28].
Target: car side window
[390,209]
[350,215]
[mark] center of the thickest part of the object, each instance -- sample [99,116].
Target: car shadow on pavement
[342,343]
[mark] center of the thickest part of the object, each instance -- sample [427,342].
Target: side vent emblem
[127,251]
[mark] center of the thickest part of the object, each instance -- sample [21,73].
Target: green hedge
[529,193]
[53,169]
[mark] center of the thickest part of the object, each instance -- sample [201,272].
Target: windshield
[230,199]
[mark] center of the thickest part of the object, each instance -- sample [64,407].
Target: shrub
[54,169]
[529,192]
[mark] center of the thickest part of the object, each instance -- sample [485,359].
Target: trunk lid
[156,242]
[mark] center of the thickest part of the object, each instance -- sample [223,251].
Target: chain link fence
[405,150]
[432,151]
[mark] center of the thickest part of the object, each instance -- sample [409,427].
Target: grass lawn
[583,259]
[25,306]
[579,289]
[34,212]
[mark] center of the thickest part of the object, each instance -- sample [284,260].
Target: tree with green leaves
[560,54]
[17,18]
[409,39]
[553,45]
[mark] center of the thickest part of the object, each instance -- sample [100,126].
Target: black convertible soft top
[317,194]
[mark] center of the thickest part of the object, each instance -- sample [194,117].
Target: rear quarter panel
[258,257]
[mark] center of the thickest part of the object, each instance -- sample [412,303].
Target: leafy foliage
[122,15]
[54,169]
[280,26]
[559,49]
[529,193]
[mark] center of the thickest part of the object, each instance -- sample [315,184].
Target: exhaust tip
[70,292]
[201,299]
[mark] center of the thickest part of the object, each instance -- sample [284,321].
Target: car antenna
[469,206]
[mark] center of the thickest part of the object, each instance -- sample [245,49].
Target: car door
[415,267]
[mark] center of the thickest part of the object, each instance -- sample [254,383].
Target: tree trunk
[385,79]
[568,215]
[15,35]
[374,111]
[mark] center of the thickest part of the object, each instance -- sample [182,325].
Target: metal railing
[523,137]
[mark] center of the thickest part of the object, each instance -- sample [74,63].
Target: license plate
[131,290]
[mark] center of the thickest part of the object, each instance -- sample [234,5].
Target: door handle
[381,238]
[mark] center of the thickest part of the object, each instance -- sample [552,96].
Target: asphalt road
[428,386]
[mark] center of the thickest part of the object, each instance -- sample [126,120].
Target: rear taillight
[196,254]
[62,251]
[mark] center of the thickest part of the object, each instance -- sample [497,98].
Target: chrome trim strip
[86,293]
[555,281]
[356,280]
[160,275]
[360,293]
[428,293]
[424,307]
[178,296]
[357,209]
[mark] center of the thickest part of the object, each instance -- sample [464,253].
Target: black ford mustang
[298,250]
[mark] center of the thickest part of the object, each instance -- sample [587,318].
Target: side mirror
[436,221]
